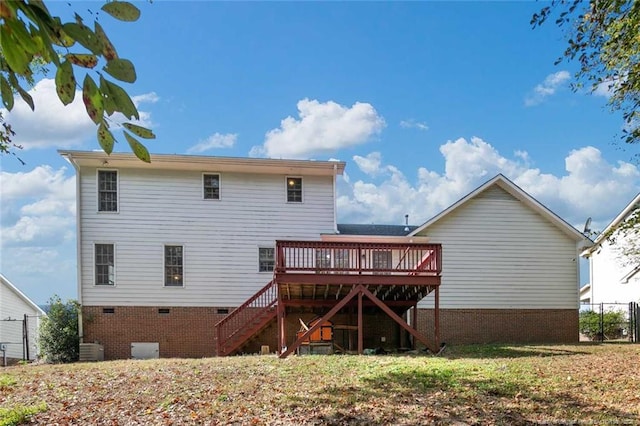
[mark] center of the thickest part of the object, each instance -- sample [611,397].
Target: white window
[266,259]
[211,186]
[104,264]
[173,266]
[107,191]
[294,189]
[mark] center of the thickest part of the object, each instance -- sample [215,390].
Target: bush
[59,341]
[612,324]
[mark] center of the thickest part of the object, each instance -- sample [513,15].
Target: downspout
[335,200]
[78,245]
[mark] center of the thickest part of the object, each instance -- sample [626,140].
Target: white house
[613,279]
[510,269]
[168,249]
[14,307]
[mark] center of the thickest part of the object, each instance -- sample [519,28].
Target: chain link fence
[600,322]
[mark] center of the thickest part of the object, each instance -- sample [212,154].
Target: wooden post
[436,319]
[282,337]
[414,324]
[360,328]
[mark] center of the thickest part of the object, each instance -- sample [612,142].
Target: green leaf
[65,83]
[16,57]
[122,101]
[20,33]
[82,59]
[83,35]
[138,149]
[105,138]
[92,99]
[107,98]
[7,93]
[108,50]
[143,132]
[26,97]
[122,69]
[122,10]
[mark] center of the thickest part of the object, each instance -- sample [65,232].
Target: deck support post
[414,323]
[360,328]
[282,335]
[436,315]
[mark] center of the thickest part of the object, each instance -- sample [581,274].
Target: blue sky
[424,101]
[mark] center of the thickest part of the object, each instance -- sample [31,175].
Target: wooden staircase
[247,319]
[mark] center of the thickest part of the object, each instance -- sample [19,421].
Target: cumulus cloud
[547,88]
[38,207]
[413,124]
[321,128]
[58,125]
[214,141]
[591,185]
[369,164]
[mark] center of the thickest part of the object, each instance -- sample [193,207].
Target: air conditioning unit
[91,352]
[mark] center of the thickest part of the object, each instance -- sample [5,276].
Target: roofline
[615,222]
[179,161]
[21,294]
[516,192]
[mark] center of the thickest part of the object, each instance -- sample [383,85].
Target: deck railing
[246,319]
[358,258]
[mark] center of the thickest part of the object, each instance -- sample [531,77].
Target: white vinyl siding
[497,253]
[15,307]
[612,281]
[160,207]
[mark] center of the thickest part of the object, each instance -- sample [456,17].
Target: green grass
[6,381]
[19,414]
[492,384]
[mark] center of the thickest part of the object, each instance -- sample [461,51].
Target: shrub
[59,341]
[612,324]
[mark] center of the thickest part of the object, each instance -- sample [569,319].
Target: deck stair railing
[247,319]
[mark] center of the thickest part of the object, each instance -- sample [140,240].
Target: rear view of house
[19,323]
[193,256]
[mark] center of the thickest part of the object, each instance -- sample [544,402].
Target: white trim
[115,262]
[21,295]
[286,189]
[199,162]
[164,265]
[98,191]
[615,222]
[517,193]
[625,279]
[219,186]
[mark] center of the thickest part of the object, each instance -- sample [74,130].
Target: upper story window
[107,191]
[294,189]
[266,259]
[211,186]
[173,266]
[104,264]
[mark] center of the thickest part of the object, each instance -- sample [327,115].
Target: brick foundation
[189,332]
[468,326]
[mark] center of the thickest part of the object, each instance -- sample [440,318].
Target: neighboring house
[168,249]
[613,279]
[14,305]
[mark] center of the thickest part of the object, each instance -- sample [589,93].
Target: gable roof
[622,216]
[382,230]
[519,194]
[4,280]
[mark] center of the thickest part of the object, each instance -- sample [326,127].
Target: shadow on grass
[451,392]
[508,351]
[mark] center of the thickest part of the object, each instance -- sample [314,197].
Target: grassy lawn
[511,385]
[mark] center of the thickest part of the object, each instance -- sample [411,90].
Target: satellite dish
[587,226]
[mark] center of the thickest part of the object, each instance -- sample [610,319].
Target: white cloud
[547,88]
[591,186]
[321,128]
[216,140]
[369,164]
[53,124]
[38,207]
[412,124]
